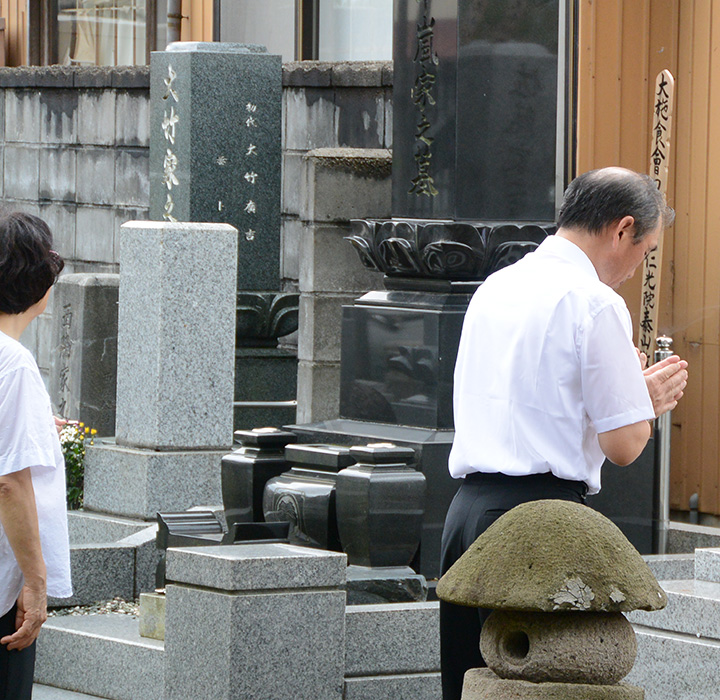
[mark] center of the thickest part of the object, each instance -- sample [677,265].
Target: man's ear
[625,228]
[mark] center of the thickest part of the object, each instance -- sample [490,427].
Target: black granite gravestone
[475,109]
[215,147]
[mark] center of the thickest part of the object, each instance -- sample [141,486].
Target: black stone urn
[380,504]
[245,471]
[305,495]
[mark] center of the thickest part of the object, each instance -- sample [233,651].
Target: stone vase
[380,505]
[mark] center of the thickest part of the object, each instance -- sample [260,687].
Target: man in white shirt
[34,550]
[547,381]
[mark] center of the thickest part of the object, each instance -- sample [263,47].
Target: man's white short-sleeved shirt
[29,439]
[546,362]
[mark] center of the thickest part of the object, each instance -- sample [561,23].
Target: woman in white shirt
[34,551]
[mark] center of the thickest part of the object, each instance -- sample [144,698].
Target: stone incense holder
[558,576]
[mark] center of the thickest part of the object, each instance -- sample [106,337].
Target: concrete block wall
[327,105]
[74,150]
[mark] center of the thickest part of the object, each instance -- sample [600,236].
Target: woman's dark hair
[28,265]
[599,198]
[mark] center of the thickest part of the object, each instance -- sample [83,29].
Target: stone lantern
[558,577]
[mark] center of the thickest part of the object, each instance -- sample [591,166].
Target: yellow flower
[93,432]
[87,430]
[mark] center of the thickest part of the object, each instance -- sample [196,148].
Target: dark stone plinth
[263,317]
[444,250]
[389,584]
[431,447]
[627,498]
[398,357]
[215,147]
[475,109]
[245,471]
[265,387]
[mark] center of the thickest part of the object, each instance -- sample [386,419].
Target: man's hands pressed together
[666,381]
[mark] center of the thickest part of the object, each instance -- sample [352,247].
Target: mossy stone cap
[552,555]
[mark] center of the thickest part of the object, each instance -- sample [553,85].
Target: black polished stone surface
[393,584]
[474,109]
[443,250]
[245,471]
[380,504]
[431,447]
[627,497]
[398,357]
[215,148]
[305,495]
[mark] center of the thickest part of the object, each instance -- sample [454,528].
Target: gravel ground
[116,605]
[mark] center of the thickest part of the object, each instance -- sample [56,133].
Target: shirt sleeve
[613,386]
[26,430]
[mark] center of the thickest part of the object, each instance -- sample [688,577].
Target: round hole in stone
[515,645]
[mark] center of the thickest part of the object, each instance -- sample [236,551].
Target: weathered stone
[595,648]
[552,555]
[152,615]
[483,684]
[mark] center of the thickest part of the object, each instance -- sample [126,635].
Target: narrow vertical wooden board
[682,466]
[635,88]
[660,147]
[586,86]
[708,421]
[700,118]
[607,82]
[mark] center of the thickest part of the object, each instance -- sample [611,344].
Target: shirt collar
[567,250]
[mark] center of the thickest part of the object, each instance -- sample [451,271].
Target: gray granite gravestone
[215,147]
[176,342]
[215,156]
[83,372]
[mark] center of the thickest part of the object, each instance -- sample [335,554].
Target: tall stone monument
[477,167]
[215,156]
[176,340]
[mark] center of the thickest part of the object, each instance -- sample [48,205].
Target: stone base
[152,615]
[483,684]
[138,483]
[368,585]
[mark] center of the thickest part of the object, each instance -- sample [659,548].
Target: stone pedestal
[83,375]
[483,684]
[176,347]
[255,621]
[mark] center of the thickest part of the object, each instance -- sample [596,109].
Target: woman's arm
[18,516]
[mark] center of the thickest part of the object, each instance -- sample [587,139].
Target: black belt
[531,479]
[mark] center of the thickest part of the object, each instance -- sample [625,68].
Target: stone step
[671,567]
[707,565]
[101,655]
[87,527]
[110,557]
[47,692]
[672,666]
[693,609]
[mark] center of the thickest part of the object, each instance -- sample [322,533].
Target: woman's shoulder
[14,356]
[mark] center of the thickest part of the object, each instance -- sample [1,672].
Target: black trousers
[16,667]
[480,501]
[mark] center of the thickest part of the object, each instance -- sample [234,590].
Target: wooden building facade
[622,47]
